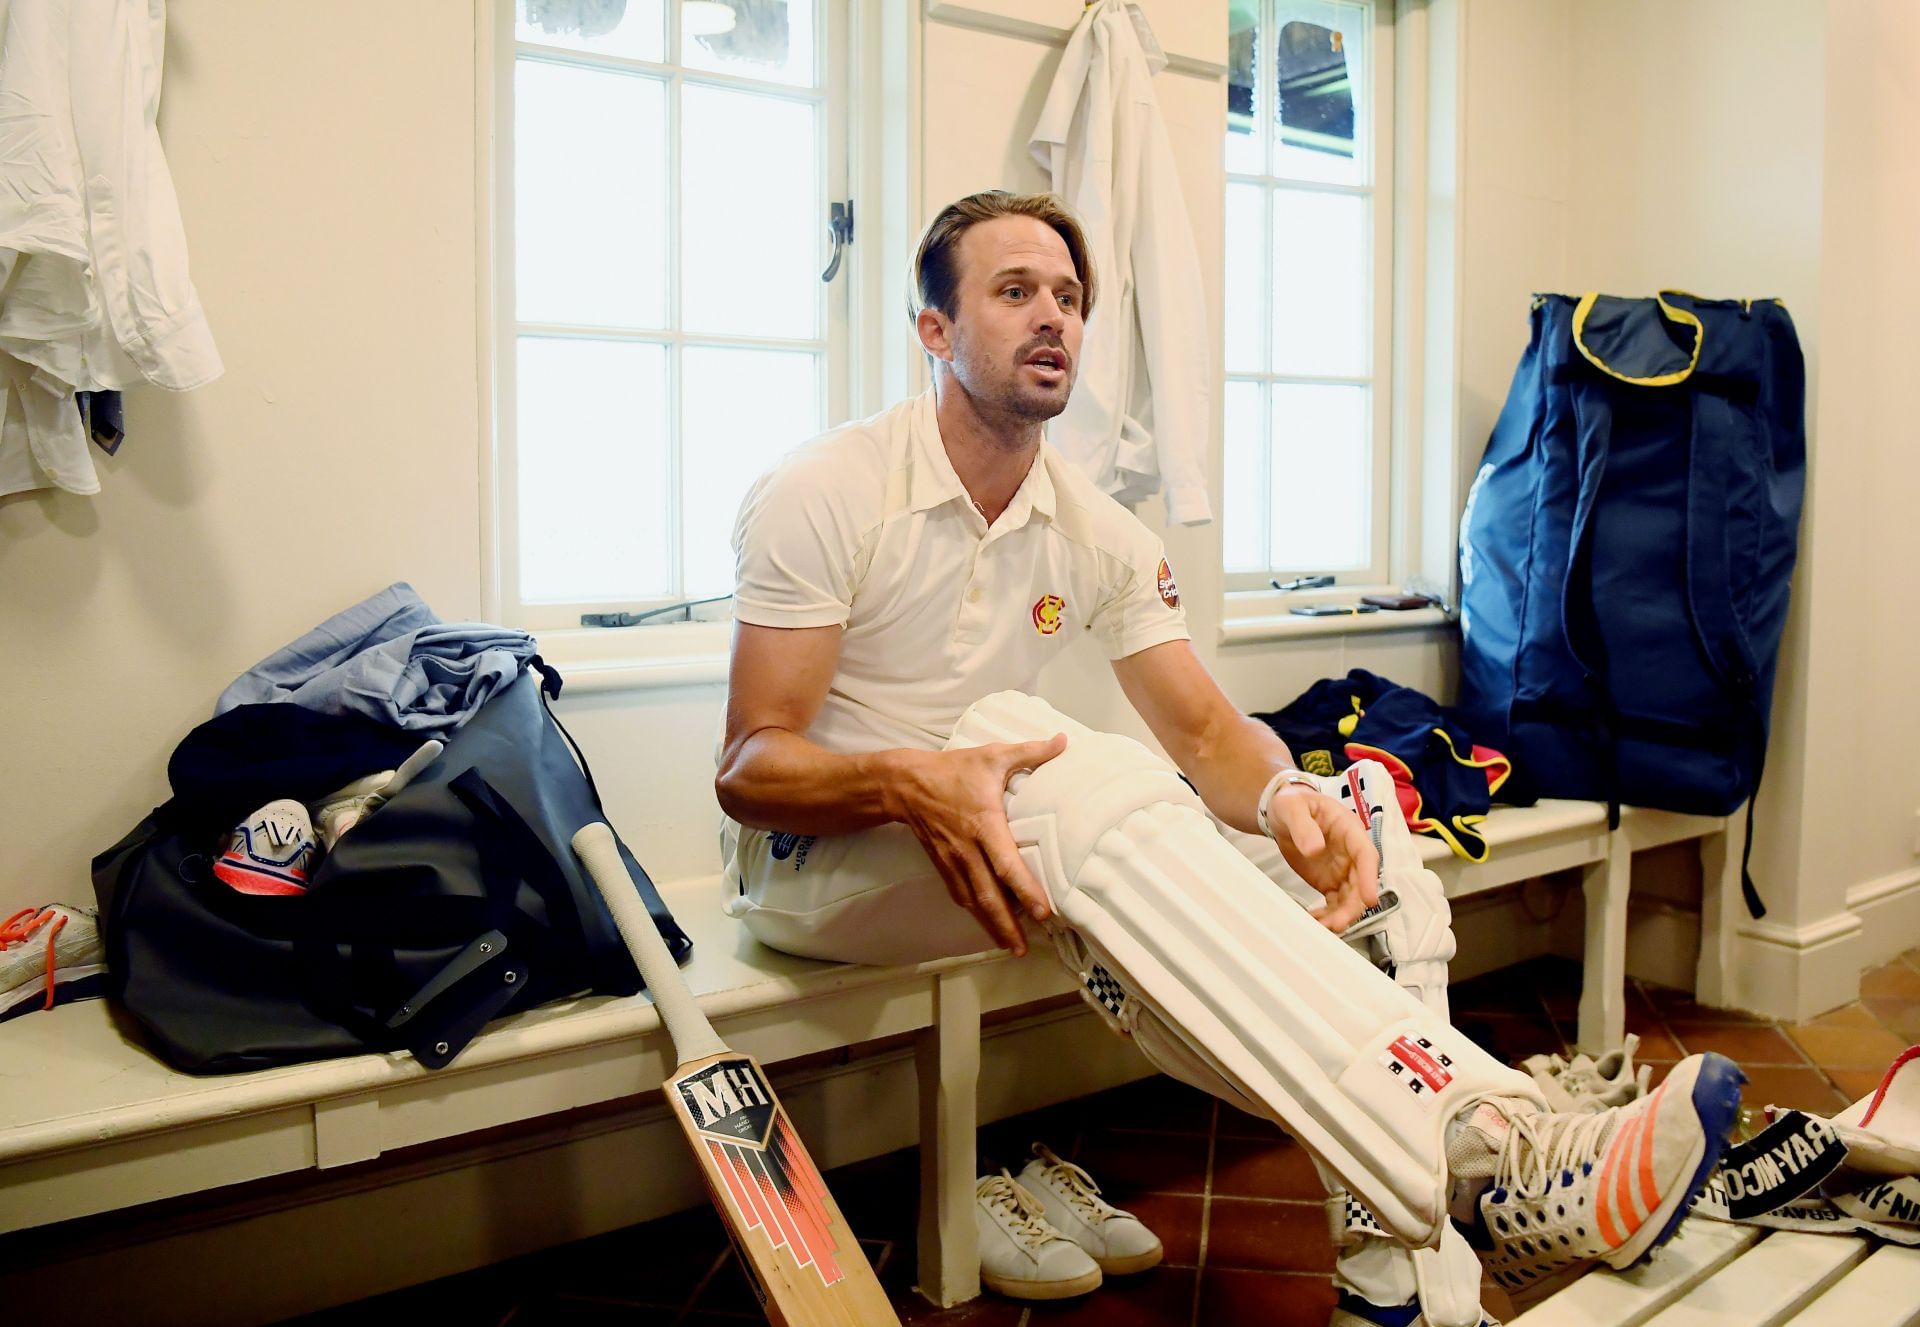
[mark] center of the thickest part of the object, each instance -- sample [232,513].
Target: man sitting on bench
[891,790]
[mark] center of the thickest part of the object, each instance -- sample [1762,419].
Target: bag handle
[1673,313]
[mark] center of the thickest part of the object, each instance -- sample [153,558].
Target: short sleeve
[1140,603]
[794,545]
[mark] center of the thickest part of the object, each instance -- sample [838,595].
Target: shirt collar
[934,481]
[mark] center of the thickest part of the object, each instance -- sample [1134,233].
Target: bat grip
[693,1036]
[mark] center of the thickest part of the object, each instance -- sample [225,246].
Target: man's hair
[935,272]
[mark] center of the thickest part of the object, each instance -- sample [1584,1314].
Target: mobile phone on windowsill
[1333,610]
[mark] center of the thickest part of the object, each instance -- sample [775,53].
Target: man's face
[1014,339]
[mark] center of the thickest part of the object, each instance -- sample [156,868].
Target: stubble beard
[1004,394]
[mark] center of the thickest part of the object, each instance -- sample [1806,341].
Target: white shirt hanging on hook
[1138,417]
[93,258]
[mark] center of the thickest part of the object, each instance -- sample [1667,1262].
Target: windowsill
[592,660]
[1244,630]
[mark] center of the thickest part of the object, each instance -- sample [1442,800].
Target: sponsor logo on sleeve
[1049,613]
[1169,592]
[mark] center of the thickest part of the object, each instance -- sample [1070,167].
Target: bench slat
[1625,1299]
[1768,1284]
[1883,1291]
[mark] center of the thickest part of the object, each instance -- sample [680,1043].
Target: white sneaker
[1586,1084]
[272,851]
[1072,1205]
[339,811]
[1021,1256]
[49,956]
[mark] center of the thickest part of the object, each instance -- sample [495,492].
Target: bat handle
[693,1036]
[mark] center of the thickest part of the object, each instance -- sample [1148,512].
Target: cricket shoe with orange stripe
[1614,1186]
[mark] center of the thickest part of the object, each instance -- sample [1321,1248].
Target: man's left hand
[1325,844]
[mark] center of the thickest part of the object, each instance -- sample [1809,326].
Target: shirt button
[973,596]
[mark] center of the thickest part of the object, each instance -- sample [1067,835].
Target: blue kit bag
[1626,549]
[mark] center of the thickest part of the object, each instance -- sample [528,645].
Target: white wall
[324,156]
[1858,827]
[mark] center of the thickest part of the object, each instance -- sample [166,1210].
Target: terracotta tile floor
[1235,1202]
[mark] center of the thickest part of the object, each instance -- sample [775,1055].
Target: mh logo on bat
[730,1100]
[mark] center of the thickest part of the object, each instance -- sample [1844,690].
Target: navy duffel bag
[1626,549]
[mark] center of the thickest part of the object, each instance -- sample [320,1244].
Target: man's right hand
[955,804]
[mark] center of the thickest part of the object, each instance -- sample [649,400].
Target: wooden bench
[97,1125]
[1718,1275]
[1560,835]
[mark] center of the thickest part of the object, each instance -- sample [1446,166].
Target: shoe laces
[1540,1145]
[1023,1212]
[17,929]
[1083,1195]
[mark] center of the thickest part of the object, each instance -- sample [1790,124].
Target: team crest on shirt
[1049,612]
[1169,592]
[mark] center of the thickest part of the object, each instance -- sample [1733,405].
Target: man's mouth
[1051,363]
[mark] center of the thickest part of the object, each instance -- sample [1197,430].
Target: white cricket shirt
[868,527]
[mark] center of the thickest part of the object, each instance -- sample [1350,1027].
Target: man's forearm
[778,780]
[1230,767]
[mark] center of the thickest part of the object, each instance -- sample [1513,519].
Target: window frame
[501,328]
[1385,547]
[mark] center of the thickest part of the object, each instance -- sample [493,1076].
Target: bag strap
[1717,628]
[1579,619]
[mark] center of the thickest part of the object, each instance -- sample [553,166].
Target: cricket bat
[795,1245]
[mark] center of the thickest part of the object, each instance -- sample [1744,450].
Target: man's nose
[1048,315]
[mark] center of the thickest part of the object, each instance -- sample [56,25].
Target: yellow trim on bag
[1505,764]
[1585,307]
[1420,822]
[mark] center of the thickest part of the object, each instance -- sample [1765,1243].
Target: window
[1308,293]
[665,169]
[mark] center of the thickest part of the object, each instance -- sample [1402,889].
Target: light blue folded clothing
[391,659]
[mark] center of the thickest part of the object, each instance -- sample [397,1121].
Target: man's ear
[932,326]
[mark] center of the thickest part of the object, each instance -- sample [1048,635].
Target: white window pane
[1243,518]
[593,459]
[768,39]
[1320,283]
[1322,463]
[633,29]
[1246,279]
[1246,145]
[1320,123]
[741,411]
[752,218]
[590,218]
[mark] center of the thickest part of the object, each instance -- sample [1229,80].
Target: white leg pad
[1419,935]
[1358,1070]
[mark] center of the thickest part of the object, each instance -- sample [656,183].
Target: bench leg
[1603,985]
[948,1059]
[1720,907]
